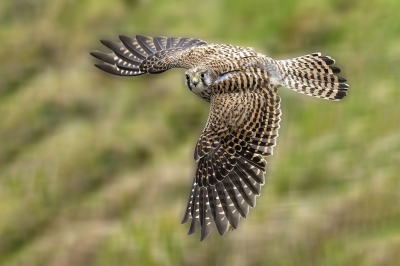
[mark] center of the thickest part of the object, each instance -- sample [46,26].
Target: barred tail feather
[313,75]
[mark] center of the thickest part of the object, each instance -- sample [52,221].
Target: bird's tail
[312,75]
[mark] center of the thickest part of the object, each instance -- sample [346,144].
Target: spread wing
[140,55]
[241,128]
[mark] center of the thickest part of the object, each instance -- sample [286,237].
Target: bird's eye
[187,77]
[202,75]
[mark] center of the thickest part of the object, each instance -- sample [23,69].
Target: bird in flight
[242,89]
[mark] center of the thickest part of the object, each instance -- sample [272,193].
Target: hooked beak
[195,81]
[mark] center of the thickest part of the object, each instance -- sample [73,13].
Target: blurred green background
[96,169]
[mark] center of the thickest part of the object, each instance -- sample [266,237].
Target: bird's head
[199,80]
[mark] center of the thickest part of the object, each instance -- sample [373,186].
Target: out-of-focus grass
[95,170]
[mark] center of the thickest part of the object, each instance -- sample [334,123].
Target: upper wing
[132,57]
[242,127]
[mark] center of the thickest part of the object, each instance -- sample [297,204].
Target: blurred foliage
[96,169]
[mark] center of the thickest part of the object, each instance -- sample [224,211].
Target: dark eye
[202,75]
[187,77]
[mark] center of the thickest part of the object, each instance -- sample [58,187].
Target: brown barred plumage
[243,123]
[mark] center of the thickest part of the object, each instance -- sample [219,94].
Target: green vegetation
[96,169]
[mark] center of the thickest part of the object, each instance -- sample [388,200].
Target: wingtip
[123,37]
[107,68]
[191,232]
[223,231]
[99,66]
[234,225]
[204,236]
[185,220]
[251,204]
[93,53]
[103,57]
[194,226]
[103,41]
